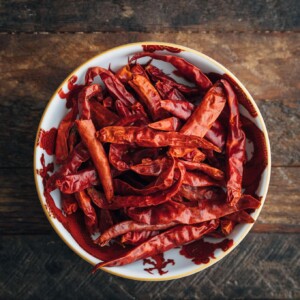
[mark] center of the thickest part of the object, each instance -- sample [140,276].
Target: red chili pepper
[147,137]
[87,132]
[205,168]
[102,116]
[68,203]
[166,91]
[148,95]
[179,109]
[158,75]
[125,227]
[151,168]
[235,148]
[190,154]
[162,182]
[187,70]
[61,148]
[79,181]
[124,74]
[137,69]
[165,241]
[227,226]
[90,216]
[192,193]
[191,212]
[138,201]
[85,95]
[112,83]
[73,138]
[137,237]
[119,156]
[240,217]
[169,124]
[206,112]
[106,219]
[199,179]
[217,134]
[108,102]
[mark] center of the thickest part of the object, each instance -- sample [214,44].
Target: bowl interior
[56,110]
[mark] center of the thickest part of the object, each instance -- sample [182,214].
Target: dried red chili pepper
[106,220]
[166,91]
[72,183]
[206,112]
[138,201]
[240,217]
[85,95]
[128,226]
[90,216]
[137,237]
[151,168]
[137,69]
[205,168]
[190,154]
[235,148]
[87,132]
[192,193]
[190,213]
[147,137]
[199,179]
[61,147]
[165,241]
[148,95]
[73,139]
[101,116]
[112,83]
[119,156]
[169,124]
[187,70]
[217,134]
[227,226]
[179,109]
[124,74]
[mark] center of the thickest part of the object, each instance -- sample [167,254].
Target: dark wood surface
[41,42]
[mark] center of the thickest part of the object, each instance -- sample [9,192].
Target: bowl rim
[263,128]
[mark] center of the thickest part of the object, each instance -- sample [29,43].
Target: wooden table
[43,41]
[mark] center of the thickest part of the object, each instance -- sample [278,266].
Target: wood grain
[21,212]
[263,62]
[262,266]
[148,16]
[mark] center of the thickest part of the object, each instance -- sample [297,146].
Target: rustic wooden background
[41,42]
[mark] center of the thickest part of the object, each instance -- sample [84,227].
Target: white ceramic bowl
[55,111]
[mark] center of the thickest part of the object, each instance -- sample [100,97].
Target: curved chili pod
[151,168]
[167,91]
[178,108]
[68,203]
[148,95]
[137,237]
[205,168]
[187,70]
[165,241]
[190,154]
[119,157]
[147,137]
[87,132]
[90,216]
[198,179]
[206,112]
[101,116]
[112,83]
[83,100]
[192,193]
[235,148]
[169,124]
[158,75]
[124,74]
[79,181]
[217,134]
[204,210]
[127,226]
[240,217]
[227,226]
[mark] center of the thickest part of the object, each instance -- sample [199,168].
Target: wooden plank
[21,212]
[264,63]
[263,266]
[149,16]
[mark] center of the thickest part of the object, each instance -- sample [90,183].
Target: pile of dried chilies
[153,164]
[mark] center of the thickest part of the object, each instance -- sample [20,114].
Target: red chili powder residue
[201,252]
[159,263]
[46,140]
[153,48]
[74,90]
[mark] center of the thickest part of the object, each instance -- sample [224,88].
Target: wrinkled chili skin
[206,112]
[87,132]
[192,213]
[217,134]
[68,203]
[147,137]
[235,148]
[112,83]
[178,108]
[137,237]
[165,241]
[187,70]
[169,124]
[128,226]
